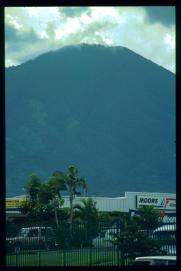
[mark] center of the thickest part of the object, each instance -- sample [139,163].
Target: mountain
[107,110]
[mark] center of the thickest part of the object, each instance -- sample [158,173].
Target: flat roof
[94,196]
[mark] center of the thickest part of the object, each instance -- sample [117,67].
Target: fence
[79,245]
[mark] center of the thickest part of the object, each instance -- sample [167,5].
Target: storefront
[129,203]
[13,209]
[166,204]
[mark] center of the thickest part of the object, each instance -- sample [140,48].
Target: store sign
[13,203]
[168,218]
[158,202]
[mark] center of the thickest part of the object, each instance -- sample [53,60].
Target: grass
[62,258]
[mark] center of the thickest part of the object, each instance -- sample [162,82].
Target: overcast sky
[148,31]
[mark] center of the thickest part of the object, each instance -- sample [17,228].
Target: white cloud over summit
[149,31]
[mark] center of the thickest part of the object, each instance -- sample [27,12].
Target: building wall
[124,204]
[121,204]
[103,203]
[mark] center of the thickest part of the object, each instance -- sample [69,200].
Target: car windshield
[33,233]
[47,232]
[23,232]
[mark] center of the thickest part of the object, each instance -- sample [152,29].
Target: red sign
[162,213]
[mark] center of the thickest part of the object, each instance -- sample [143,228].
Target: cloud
[18,53]
[22,45]
[30,32]
[73,11]
[14,35]
[163,15]
[10,33]
[91,33]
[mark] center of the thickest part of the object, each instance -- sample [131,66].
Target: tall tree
[87,213]
[74,184]
[33,187]
[56,185]
[44,197]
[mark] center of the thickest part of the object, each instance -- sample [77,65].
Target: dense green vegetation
[63,258]
[130,241]
[134,238]
[81,224]
[45,197]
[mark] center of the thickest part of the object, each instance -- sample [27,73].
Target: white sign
[168,219]
[158,202]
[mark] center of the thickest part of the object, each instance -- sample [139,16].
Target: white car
[166,232]
[31,238]
[155,260]
[104,239]
[167,228]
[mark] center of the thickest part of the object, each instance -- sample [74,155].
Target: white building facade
[129,203]
[132,201]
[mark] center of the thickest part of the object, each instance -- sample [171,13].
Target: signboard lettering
[166,218]
[14,203]
[157,202]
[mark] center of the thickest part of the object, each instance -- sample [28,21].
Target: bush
[62,236]
[133,241]
[12,229]
[79,237]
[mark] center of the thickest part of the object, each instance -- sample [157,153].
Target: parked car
[105,238]
[155,260]
[167,234]
[31,238]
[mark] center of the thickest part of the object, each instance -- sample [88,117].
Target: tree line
[44,204]
[43,197]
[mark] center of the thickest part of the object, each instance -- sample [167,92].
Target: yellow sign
[14,203]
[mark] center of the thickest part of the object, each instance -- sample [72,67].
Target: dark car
[31,238]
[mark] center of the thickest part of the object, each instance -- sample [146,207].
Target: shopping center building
[129,203]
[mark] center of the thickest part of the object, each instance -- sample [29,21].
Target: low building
[129,203]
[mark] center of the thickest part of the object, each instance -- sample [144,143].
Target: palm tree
[45,194]
[33,187]
[87,213]
[56,184]
[74,183]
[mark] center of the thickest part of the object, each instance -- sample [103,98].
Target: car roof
[167,227]
[155,258]
[36,227]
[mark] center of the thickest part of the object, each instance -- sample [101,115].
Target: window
[49,232]
[23,232]
[33,233]
[46,232]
